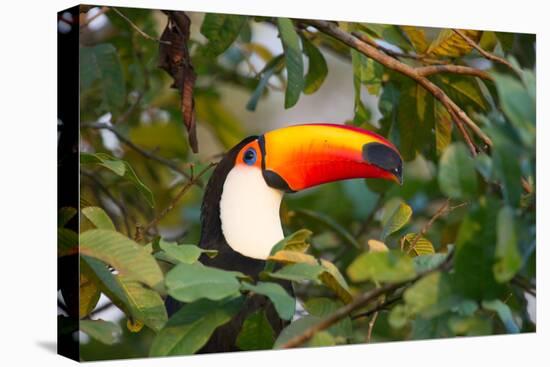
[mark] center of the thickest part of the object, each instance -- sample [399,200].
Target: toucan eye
[249,156]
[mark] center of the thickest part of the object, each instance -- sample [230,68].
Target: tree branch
[443,210]
[143,152]
[359,302]
[487,55]
[460,117]
[178,196]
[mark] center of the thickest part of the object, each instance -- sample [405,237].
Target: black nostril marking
[382,156]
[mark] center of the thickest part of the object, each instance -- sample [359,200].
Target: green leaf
[98,217]
[449,44]
[470,325]
[474,258]
[299,272]
[457,174]
[190,282]
[147,305]
[296,328]
[256,333]
[101,63]
[293,60]
[506,164]
[504,313]
[508,258]
[120,168]
[518,106]
[396,215]
[188,254]
[64,215]
[273,66]
[333,279]
[105,332]
[430,296]
[416,37]
[117,250]
[367,72]
[422,246]
[416,120]
[221,30]
[323,307]
[321,339]
[114,164]
[139,303]
[292,257]
[189,329]
[463,90]
[88,294]
[317,67]
[427,262]
[443,128]
[283,302]
[297,241]
[391,266]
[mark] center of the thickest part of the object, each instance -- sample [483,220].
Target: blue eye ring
[249,156]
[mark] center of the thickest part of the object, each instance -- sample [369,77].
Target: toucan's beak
[302,156]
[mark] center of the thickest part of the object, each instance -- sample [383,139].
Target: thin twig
[371,326]
[484,53]
[380,307]
[394,64]
[133,25]
[176,198]
[118,203]
[143,152]
[443,210]
[359,302]
[122,118]
[396,54]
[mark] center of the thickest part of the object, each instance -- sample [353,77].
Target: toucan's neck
[250,214]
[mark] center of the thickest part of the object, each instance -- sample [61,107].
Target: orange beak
[302,156]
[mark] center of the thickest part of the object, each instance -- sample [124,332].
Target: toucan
[240,209]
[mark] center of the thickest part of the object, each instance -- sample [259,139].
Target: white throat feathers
[249,212]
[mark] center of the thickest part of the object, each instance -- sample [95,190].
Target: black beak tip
[384,157]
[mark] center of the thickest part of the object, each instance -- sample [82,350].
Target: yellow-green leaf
[292,257]
[417,37]
[389,266]
[417,246]
[105,332]
[377,246]
[125,255]
[333,279]
[396,215]
[450,44]
[98,217]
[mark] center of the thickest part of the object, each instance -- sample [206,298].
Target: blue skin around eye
[250,156]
